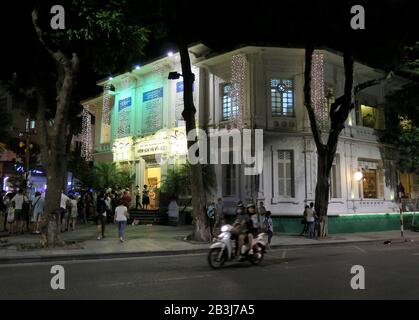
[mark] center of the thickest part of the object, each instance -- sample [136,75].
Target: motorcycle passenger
[253,225]
[241,226]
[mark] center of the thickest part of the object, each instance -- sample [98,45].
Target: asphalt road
[391,272]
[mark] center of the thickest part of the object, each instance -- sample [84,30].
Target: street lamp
[358,176]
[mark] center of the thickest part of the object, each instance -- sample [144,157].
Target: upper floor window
[367,116]
[230,105]
[282,97]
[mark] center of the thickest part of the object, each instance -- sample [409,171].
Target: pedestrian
[108,207]
[100,216]
[26,211]
[269,227]
[64,206]
[18,201]
[261,215]
[304,221]
[211,217]
[3,209]
[10,213]
[311,217]
[81,206]
[126,198]
[37,212]
[73,212]
[121,217]
[137,197]
[146,197]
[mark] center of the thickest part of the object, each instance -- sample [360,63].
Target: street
[324,272]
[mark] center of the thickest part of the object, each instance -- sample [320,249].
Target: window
[286,173]
[229,177]
[230,105]
[282,97]
[367,116]
[372,183]
[335,179]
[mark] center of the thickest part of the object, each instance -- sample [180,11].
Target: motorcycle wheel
[257,256]
[213,260]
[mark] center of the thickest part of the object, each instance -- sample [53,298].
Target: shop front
[150,157]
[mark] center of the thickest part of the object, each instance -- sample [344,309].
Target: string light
[318,99]
[86,134]
[238,84]
[106,107]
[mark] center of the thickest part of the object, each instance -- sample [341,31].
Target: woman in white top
[121,217]
[74,212]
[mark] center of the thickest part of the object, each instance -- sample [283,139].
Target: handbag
[10,214]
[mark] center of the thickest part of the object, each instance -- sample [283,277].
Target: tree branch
[307,98]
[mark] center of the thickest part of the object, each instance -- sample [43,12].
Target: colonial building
[138,123]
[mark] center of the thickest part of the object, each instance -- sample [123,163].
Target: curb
[98,256]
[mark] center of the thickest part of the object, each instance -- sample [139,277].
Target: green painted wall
[348,224]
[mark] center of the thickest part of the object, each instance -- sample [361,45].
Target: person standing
[64,204]
[211,217]
[3,209]
[100,216]
[304,221]
[121,217]
[311,217]
[261,215]
[73,213]
[37,211]
[18,201]
[146,198]
[269,227]
[137,197]
[108,207]
[10,213]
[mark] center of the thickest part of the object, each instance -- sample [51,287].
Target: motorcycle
[224,248]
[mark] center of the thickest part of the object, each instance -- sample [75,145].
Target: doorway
[152,180]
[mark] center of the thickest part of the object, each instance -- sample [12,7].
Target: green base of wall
[349,224]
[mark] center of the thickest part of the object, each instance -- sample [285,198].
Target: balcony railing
[103,147]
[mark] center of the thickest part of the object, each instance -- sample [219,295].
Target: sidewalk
[148,240]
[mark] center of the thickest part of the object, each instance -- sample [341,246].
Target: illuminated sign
[153,94]
[152,147]
[124,103]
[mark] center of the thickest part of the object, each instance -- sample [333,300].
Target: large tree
[104,36]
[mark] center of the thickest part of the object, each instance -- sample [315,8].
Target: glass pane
[369,184]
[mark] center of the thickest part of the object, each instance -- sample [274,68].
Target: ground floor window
[335,182]
[286,173]
[372,183]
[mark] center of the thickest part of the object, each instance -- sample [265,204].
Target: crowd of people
[24,214]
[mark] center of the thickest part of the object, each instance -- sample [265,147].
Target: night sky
[225,25]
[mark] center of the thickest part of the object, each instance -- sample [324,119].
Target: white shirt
[120,212]
[18,200]
[310,215]
[64,200]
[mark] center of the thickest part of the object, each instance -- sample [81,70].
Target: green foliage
[106,175]
[409,150]
[178,180]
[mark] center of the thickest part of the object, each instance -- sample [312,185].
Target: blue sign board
[124,103]
[153,94]
[179,86]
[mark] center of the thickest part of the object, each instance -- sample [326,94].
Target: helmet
[240,204]
[250,205]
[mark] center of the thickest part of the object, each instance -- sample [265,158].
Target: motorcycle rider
[253,225]
[241,227]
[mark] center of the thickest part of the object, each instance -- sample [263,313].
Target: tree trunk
[201,232]
[322,191]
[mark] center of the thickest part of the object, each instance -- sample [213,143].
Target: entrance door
[152,180]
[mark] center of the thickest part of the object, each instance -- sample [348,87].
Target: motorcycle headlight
[224,228]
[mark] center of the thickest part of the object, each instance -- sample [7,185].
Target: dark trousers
[211,223]
[137,202]
[103,222]
[305,228]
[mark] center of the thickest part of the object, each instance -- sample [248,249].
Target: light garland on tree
[86,134]
[106,107]
[238,85]
[318,100]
